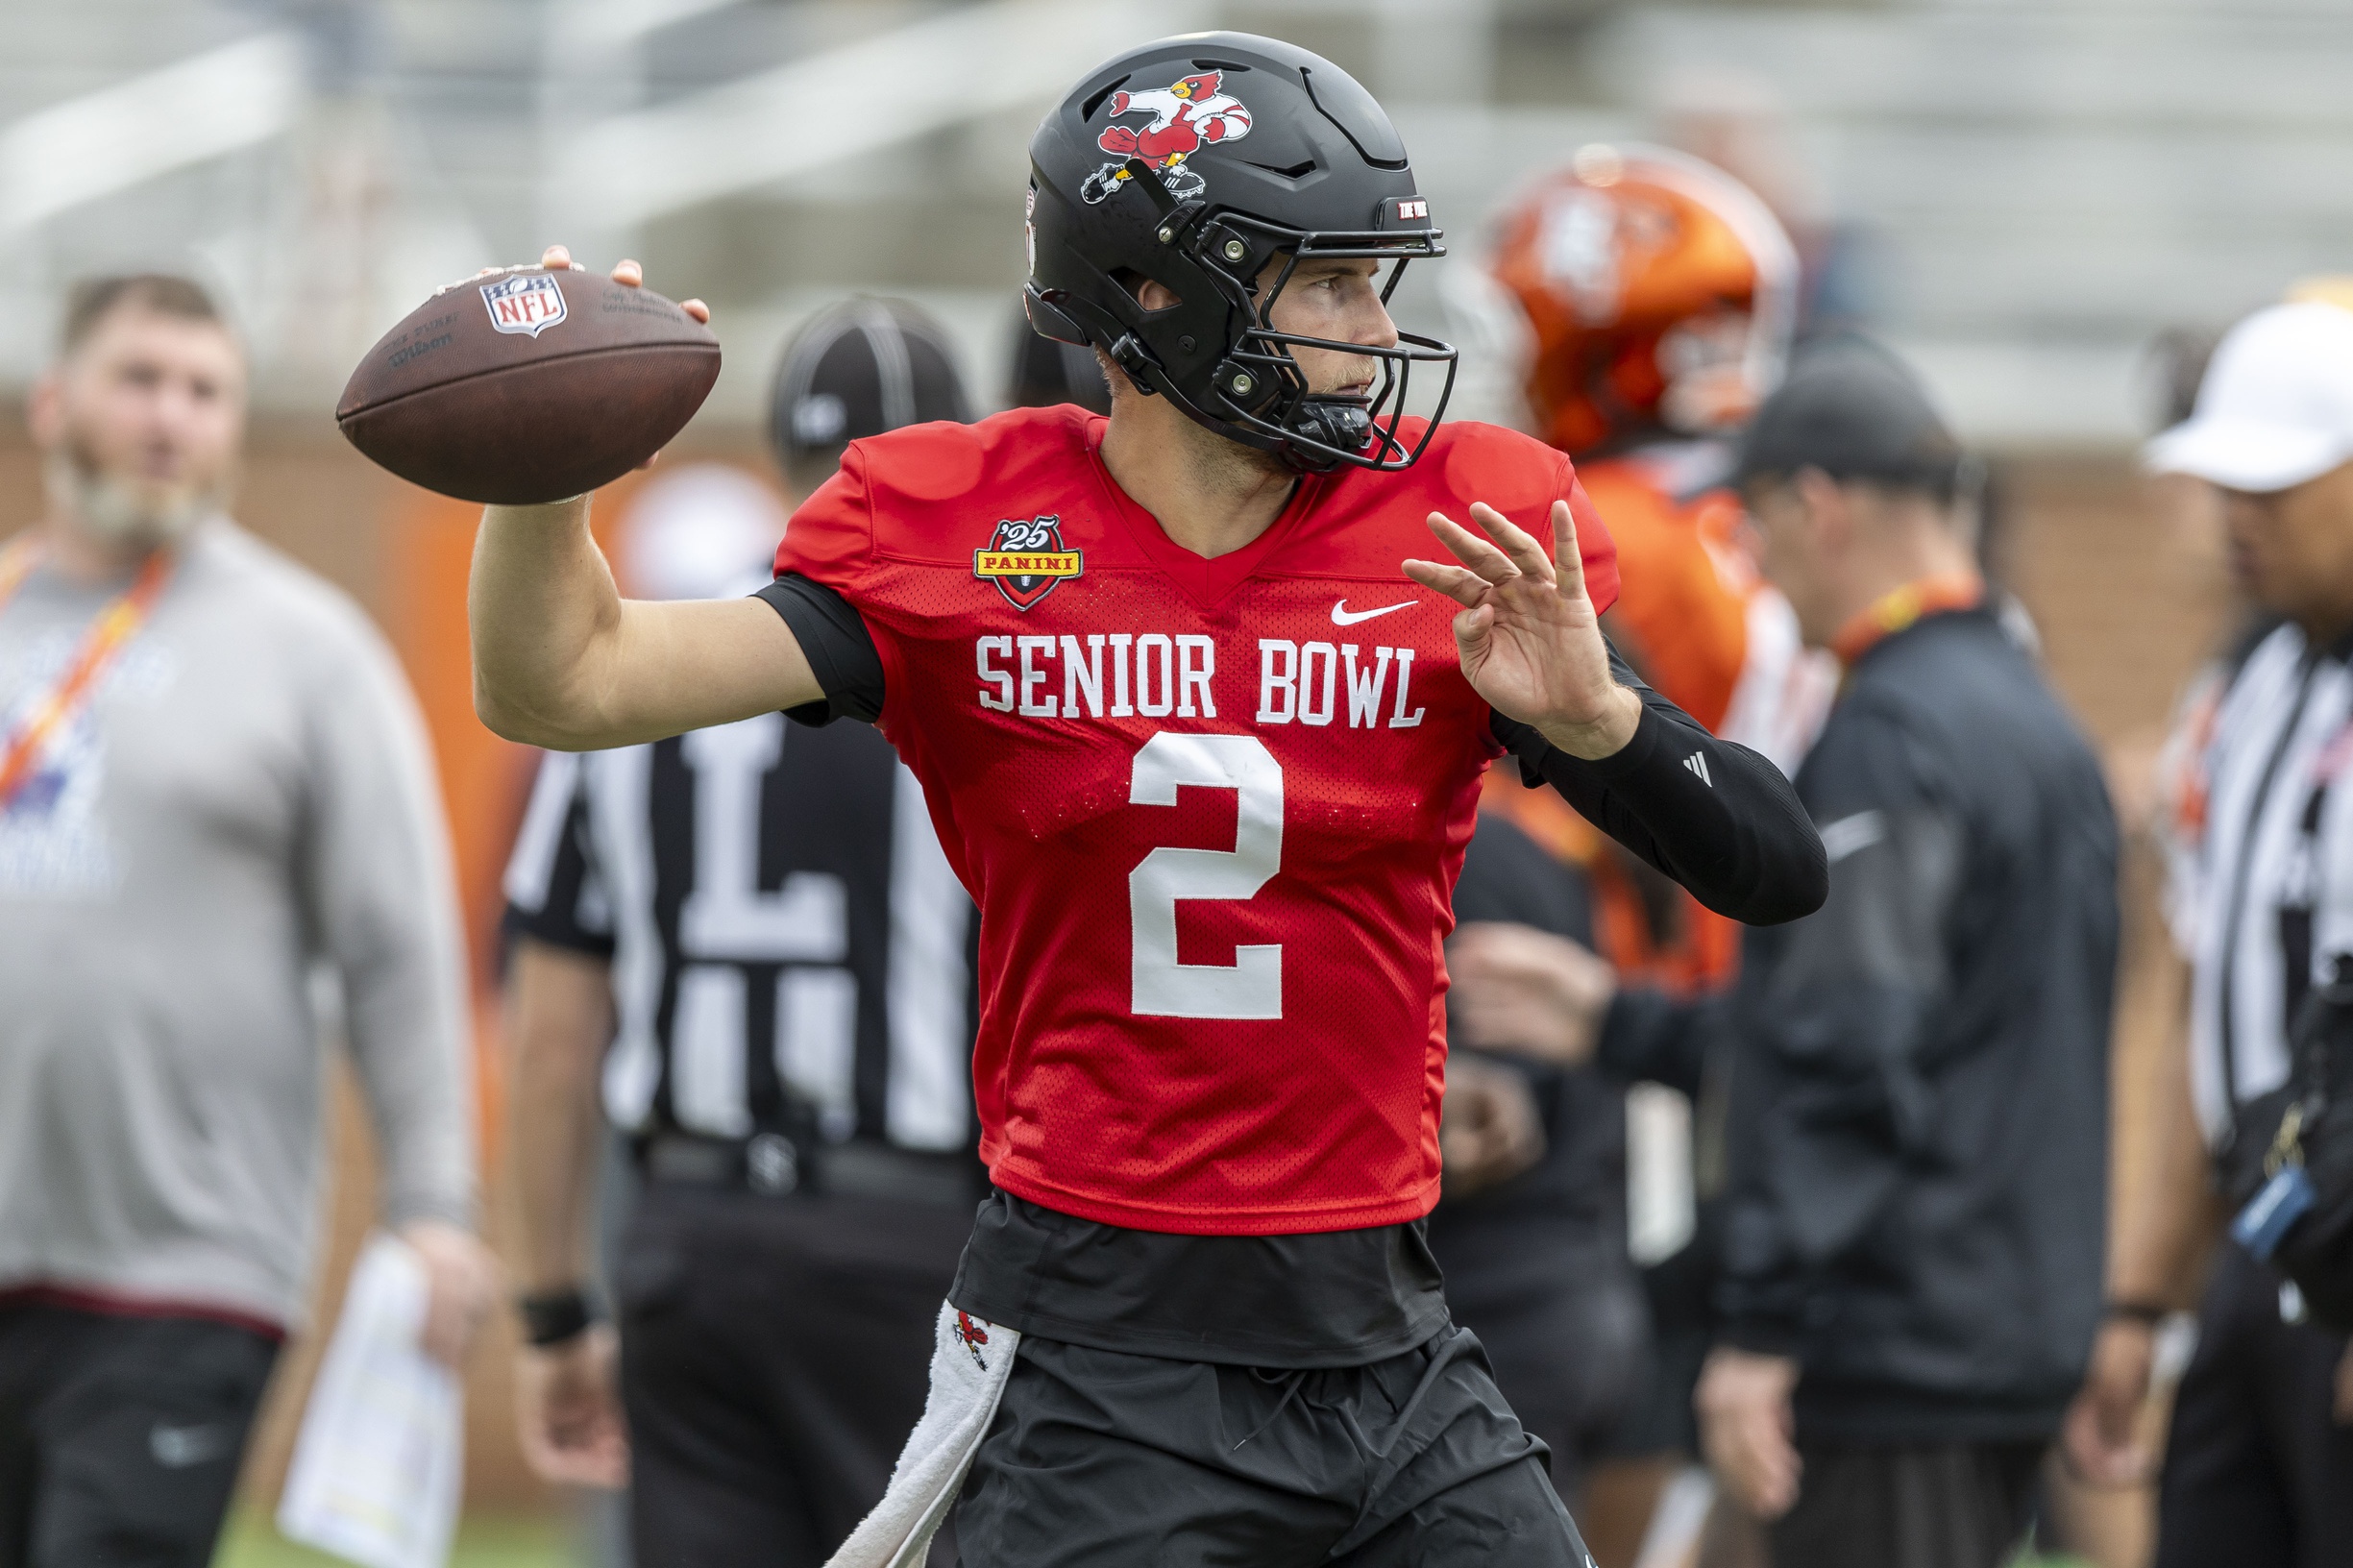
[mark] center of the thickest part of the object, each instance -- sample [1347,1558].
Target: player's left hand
[1746,1429]
[1529,640]
[461,1283]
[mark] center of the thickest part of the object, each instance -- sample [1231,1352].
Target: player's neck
[1209,495]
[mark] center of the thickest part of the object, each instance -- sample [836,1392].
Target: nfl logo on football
[528,302]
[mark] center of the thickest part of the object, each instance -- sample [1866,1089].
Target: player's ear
[1829,510]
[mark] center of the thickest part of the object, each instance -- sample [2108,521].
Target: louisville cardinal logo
[969,1332]
[1026,560]
[1188,116]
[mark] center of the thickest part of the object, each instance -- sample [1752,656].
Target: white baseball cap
[2277,407]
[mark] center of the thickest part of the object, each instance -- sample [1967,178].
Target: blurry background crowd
[2050,207]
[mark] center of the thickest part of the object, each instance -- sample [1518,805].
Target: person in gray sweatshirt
[215,787]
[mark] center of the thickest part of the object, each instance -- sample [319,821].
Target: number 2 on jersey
[1251,987]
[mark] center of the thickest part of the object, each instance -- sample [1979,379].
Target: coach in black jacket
[1915,1121]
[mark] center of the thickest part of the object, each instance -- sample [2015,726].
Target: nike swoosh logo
[1343,616]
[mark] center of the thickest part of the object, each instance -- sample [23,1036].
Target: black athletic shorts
[120,1436]
[1890,1506]
[1103,1459]
[2258,1474]
[775,1353]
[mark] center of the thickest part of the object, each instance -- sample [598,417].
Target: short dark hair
[1854,410]
[91,300]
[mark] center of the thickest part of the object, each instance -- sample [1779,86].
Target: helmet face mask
[1322,178]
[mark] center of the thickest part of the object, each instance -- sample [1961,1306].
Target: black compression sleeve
[1715,817]
[840,650]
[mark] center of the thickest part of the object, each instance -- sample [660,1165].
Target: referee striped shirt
[790,949]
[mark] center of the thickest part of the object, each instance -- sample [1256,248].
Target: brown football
[528,385]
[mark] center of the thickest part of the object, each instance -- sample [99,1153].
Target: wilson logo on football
[1026,560]
[528,302]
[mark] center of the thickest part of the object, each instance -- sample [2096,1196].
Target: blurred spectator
[1645,302]
[1916,1127]
[866,366]
[2259,1462]
[753,930]
[1046,373]
[214,784]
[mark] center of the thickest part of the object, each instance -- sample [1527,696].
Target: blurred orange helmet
[1659,292]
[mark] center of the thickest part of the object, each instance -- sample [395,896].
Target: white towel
[971,1359]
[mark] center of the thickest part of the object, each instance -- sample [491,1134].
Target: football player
[1204,737]
[1653,299]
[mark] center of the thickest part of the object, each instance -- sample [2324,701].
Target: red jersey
[1211,811]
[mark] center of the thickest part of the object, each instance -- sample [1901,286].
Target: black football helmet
[1195,161]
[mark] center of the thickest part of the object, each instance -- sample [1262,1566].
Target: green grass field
[484,1541]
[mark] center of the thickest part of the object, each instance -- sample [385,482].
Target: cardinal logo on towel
[969,1330]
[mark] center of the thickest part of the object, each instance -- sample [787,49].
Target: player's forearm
[543,611]
[562,660]
[2164,1215]
[559,1016]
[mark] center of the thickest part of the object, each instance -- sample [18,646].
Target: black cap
[1046,373]
[858,369]
[1854,412]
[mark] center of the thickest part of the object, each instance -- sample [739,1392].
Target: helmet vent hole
[1087,109]
[1294,172]
[1219,66]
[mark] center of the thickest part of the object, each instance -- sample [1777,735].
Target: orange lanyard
[1898,609]
[116,624]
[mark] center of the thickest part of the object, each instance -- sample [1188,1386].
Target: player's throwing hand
[1530,642]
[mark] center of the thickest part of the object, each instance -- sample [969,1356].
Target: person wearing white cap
[2259,1464]
[2275,411]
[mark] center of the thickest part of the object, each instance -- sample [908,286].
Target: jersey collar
[1202,578]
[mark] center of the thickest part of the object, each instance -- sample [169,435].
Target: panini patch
[1028,559]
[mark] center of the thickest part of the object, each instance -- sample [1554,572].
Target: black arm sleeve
[840,650]
[1715,817]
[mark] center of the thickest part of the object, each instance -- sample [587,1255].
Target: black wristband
[2145,1312]
[550,1317]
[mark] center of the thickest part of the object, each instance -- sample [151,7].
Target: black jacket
[1559,1227]
[1916,1118]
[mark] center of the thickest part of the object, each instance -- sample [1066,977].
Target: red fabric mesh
[1322,1118]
